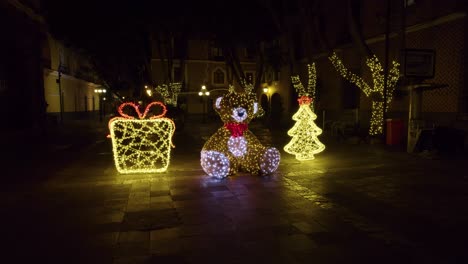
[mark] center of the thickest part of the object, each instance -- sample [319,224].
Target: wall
[199,70]
[78,94]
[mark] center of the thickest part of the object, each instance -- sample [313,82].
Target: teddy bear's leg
[269,161]
[215,163]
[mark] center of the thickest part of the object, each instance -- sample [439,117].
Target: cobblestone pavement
[352,204]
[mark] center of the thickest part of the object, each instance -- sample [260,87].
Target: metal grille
[447,41]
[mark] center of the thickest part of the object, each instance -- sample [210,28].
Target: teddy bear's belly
[237,146]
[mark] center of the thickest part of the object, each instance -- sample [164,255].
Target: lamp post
[100,93]
[266,91]
[204,93]
[59,82]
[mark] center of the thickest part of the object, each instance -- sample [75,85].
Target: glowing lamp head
[207,93]
[203,87]
[200,93]
[265,89]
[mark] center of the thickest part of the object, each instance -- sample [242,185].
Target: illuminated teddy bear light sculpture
[234,147]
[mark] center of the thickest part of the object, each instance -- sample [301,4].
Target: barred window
[218,77]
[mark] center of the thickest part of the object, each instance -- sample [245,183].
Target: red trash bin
[394,131]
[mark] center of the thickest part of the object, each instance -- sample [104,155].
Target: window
[410,2]
[217,53]
[249,77]
[180,48]
[218,76]
[177,74]
[63,64]
[250,52]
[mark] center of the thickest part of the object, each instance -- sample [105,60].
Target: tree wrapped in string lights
[304,143]
[376,92]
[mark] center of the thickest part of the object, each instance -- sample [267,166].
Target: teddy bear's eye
[239,114]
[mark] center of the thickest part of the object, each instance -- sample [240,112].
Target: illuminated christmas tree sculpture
[304,143]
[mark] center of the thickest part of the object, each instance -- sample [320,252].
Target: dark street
[234,132]
[353,203]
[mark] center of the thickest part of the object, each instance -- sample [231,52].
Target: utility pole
[59,82]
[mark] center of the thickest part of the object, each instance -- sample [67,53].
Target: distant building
[31,60]
[201,62]
[77,82]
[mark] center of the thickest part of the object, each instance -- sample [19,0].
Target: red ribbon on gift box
[137,110]
[140,115]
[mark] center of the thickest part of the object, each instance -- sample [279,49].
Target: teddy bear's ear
[255,106]
[218,102]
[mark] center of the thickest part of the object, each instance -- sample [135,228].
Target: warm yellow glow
[376,92]
[141,145]
[149,92]
[170,93]
[200,93]
[203,87]
[100,90]
[265,90]
[234,147]
[311,85]
[304,143]
[207,93]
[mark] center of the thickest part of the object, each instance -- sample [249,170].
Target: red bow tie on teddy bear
[237,129]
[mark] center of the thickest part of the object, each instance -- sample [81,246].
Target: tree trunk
[355,31]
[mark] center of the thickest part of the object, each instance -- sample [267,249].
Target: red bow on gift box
[237,129]
[137,110]
[140,115]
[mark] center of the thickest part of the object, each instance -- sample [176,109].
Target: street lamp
[100,93]
[204,93]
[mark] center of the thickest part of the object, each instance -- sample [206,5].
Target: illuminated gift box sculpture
[141,145]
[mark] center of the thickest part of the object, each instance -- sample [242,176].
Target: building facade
[29,71]
[430,25]
[205,65]
[67,72]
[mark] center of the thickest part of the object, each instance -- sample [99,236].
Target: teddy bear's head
[237,107]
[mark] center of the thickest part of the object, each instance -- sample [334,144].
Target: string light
[170,92]
[376,92]
[234,147]
[304,143]
[141,145]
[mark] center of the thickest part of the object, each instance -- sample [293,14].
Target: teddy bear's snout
[239,114]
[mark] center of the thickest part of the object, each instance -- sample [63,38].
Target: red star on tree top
[304,100]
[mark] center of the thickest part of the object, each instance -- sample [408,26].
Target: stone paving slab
[351,204]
